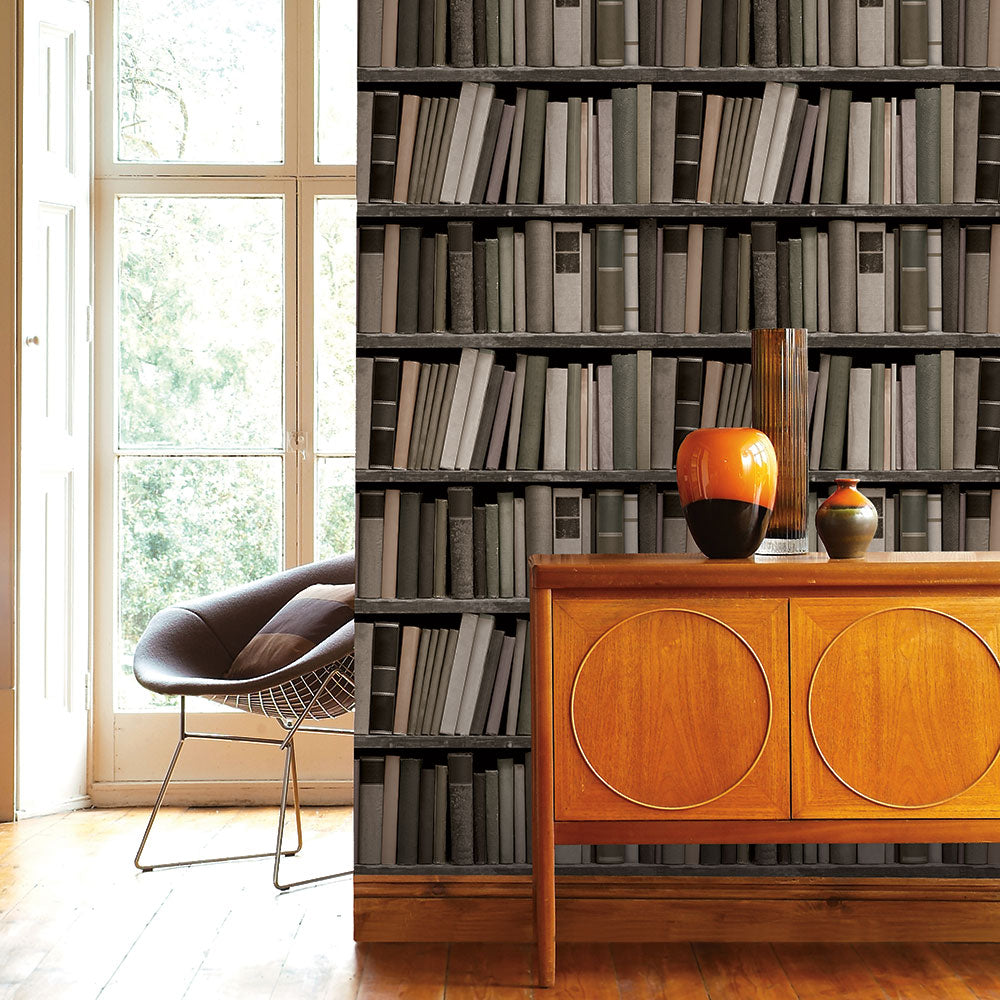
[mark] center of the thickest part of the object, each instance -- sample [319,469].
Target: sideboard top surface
[814,571]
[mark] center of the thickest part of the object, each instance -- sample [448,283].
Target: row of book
[475,809]
[411,810]
[565,277]
[642,145]
[472,680]
[484,554]
[676,33]
[632,411]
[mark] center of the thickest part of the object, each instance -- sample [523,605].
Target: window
[225,307]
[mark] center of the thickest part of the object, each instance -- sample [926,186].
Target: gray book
[440,580]
[370,33]
[460,276]
[859,153]
[687,410]
[966,411]
[610,521]
[913,278]
[624,103]
[712,279]
[426,664]
[674,23]
[977,18]
[426,280]
[843,33]
[554,445]
[876,171]
[739,145]
[662,133]
[675,241]
[390,809]
[913,520]
[928,145]
[966,142]
[516,145]
[870,277]
[448,723]
[501,686]
[977,278]
[532,147]
[538,266]
[409,811]
[687,146]
[484,696]
[370,796]
[500,154]
[554,177]
[479,818]
[505,769]
[764,263]
[663,401]
[505,507]
[460,540]
[440,681]
[371,510]
[835,148]
[610,283]
[913,33]
[517,671]
[609,26]
[492,817]
[843,276]
[791,153]
[835,418]
[574,128]
[859,419]
[461,32]
[762,142]
[538,520]
[819,153]
[745,274]
[988,420]
[521,810]
[409,537]
[440,849]
[765,33]
[500,421]
[363,404]
[876,426]
[532,409]
[625,388]
[566,282]
[977,521]
[371,243]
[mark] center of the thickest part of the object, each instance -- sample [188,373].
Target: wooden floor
[77,921]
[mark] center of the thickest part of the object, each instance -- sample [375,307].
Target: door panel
[670,710]
[895,708]
[54,592]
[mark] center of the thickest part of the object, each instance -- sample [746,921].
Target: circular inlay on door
[671,709]
[904,707]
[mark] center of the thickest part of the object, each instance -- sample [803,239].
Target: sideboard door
[895,707]
[668,708]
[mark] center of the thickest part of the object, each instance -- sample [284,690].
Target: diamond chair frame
[305,691]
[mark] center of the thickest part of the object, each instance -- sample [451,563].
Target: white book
[631,280]
[554,187]
[474,410]
[474,146]
[459,407]
[859,418]
[631,32]
[554,443]
[567,25]
[567,520]
[779,140]
[762,140]
[859,153]
[459,670]
[871,276]
[871,33]
[459,140]
[567,276]
[474,676]
[935,45]
[934,280]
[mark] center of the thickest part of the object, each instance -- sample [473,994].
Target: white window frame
[118,776]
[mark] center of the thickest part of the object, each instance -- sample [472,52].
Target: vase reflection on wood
[780,386]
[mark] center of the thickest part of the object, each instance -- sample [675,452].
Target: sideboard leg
[543,869]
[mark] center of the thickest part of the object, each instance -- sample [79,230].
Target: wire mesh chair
[188,650]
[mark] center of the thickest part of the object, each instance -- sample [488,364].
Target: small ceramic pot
[727,478]
[846,521]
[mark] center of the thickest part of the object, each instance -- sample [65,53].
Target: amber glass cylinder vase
[780,385]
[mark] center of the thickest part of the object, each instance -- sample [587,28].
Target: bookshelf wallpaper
[570,214]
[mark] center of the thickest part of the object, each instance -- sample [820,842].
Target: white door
[54,598]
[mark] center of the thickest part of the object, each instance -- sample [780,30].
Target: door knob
[32,340]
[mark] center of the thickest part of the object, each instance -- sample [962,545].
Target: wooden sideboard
[678,699]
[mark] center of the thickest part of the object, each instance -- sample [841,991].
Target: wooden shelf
[396,213]
[986,477]
[591,340]
[700,871]
[443,606]
[381,742]
[735,76]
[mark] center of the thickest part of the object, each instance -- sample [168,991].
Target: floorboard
[78,922]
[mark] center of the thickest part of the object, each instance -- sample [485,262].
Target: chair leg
[146,867]
[290,769]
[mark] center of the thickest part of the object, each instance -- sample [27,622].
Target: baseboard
[109,794]
[69,805]
[7,755]
[499,909]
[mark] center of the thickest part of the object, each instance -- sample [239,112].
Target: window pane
[189,527]
[200,81]
[336,81]
[334,507]
[334,320]
[200,322]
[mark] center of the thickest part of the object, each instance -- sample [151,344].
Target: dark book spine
[407,301]
[461,32]
[479,286]
[460,540]
[949,32]
[460,808]
[783,27]
[479,32]
[624,391]
[988,425]
[538,17]
[479,818]
[425,33]
[371,775]
[425,822]
[385,137]
[711,279]
[647,32]
[610,278]
[835,155]
[988,157]
[765,32]
[385,664]
[950,264]
[711,32]
[687,146]
[530,440]
[425,567]
[529,176]
[408,558]
[782,284]
[687,409]
[479,551]
[950,517]
[460,275]
[624,117]
[408,819]
[763,255]
[408,33]
[385,400]
[730,31]
[647,274]
[730,286]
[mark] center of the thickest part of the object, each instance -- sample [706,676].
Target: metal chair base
[290,776]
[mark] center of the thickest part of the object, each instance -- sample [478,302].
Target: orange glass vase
[727,479]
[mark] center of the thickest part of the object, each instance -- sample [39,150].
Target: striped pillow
[306,620]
